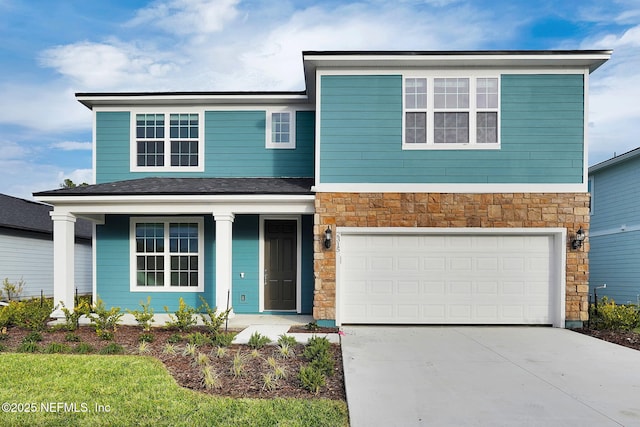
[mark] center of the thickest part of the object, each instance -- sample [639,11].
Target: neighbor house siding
[615,261]
[234,147]
[615,231]
[113,269]
[542,133]
[29,257]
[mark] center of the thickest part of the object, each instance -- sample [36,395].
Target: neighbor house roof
[190,186]
[25,215]
[615,160]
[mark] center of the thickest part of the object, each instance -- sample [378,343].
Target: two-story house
[399,187]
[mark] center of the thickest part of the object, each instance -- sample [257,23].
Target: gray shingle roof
[191,186]
[20,214]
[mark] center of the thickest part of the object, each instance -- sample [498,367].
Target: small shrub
[285,351]
[201,359]
[28,347]
[2,348]
[269,381]
[143,347]
[6,316]
[287,339]
[169,349]
[311,379]
[56,347]
[144,317]
[210,378]
[212,321]
[174,338]
[316,346]
[312,326]
[3,333]
[223,339]
[12,290]
[32,314]
[71,337]
[32,336]
[220,352]
[323,363]
[190,350]
[112,348]
[183,318]
[105,321]
[237,367]
[147,337]
[279,372]
[84,348]
[257,340]
[72,317]
[612,316]
[198,339]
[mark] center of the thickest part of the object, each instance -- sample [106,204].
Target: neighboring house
[614,257]
[26,248]
[450,184]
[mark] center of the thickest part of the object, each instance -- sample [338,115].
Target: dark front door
[280,259]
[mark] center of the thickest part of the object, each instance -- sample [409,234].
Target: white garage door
[445,279]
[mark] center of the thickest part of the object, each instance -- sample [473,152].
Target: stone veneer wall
[518,210]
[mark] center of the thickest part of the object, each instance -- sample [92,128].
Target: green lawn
[132,390]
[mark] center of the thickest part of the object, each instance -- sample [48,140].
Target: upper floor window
[167,141]
[451,112]
[280,129]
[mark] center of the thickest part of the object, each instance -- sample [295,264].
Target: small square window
[280,129]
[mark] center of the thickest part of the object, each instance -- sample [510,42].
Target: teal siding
[246,260]
[112,146]
[234,147]
[542,134]
[113,264]
[614,258]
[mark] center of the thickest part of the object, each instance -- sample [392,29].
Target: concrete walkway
[488,376]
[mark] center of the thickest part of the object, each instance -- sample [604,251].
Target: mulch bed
[625,338]
[188,374]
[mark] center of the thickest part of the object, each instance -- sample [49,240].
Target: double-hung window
[280,129]
[167,254]
[450,112]
[167,142]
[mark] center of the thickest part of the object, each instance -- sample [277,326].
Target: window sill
[431,146]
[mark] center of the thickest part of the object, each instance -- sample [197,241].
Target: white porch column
[63,261]
[224,223]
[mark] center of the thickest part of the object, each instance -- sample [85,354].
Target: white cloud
[78,176]
[105,66]
[12,151]
[614,91]
[187,17]
[42,108]
[72,145]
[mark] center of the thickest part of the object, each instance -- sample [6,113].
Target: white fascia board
[174,205]
[151,99]
[590,60]
[449,188]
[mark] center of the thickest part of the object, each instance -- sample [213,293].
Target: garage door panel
[444,279]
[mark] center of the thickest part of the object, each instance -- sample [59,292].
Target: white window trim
[167,144]
[167,286]
[472,110]
[268,135]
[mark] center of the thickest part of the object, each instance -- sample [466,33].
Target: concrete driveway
[488,376]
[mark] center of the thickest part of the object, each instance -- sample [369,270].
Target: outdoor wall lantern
[327,238]
[577,241]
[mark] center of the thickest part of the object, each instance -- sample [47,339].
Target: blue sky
[54,48]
